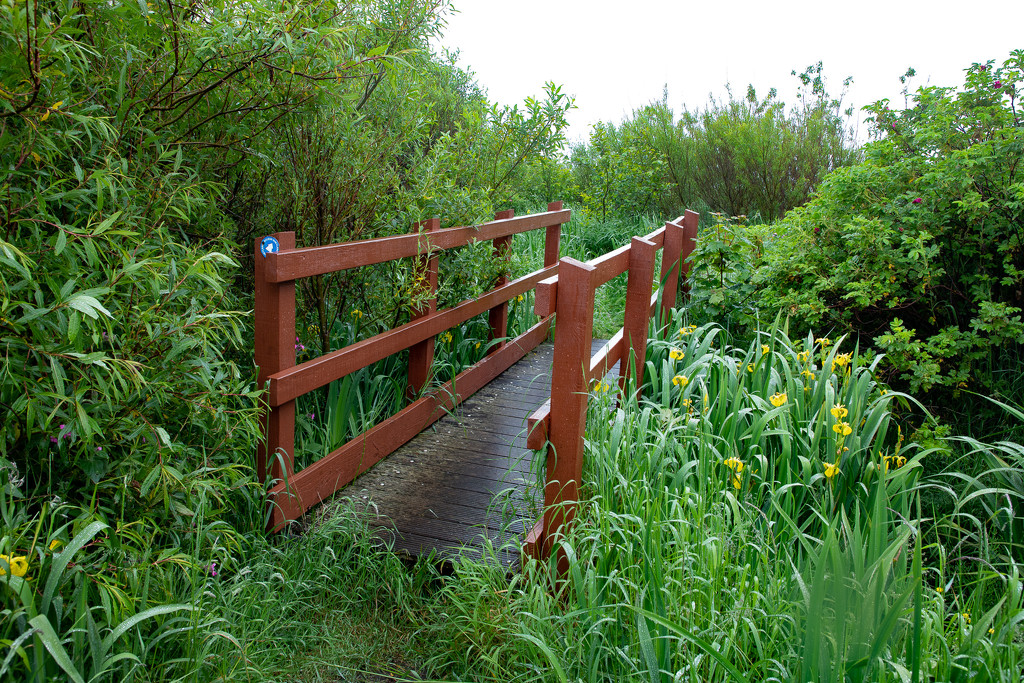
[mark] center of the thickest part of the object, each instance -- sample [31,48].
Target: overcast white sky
[615,56]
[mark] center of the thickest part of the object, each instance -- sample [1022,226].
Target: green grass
[763,519]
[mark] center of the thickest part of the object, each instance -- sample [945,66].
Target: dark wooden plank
[470,477]
[467,477]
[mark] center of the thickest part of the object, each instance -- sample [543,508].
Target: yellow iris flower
[18,565]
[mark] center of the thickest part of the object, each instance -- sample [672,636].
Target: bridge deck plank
[467,482]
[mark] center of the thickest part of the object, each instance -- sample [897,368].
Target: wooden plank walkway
[469,480]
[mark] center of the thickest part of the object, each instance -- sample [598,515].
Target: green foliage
[715,542]
[618,173]
[727,254]
[745,156]
[142,146]
[918,248]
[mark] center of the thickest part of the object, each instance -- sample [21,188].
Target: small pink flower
[901,229]
[917,200]
[53,439]
[99,449]
[997,85]
[213,569]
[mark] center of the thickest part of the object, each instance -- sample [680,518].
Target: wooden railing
[276,273]
[559,424]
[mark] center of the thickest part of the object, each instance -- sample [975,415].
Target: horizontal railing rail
[277,269]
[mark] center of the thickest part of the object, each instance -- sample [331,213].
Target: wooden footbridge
[452,471]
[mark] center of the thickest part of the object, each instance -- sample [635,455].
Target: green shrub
[918,250]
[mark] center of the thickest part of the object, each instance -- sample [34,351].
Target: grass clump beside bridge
[755,514]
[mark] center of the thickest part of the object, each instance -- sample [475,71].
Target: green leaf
[88,305]
[60,562]
[53,645]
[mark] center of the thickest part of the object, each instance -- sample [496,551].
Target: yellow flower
[446,337]
[680,380]
[736,483]
[803,356]
[831,470]
[808,374]
[939,589]
[676,354]
[357,314]
[687,330]
[778,399]
[823,341]
[764,349]
[18,565]
[55,543]
[991,631]
[734,464]
[602,388]
[750,367]
[477,346]
[520,298]
[842,428]
[842,360]
[966,617]
[839,411]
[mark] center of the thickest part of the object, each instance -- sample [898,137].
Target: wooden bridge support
[559,425]
[274,312]
[421,354]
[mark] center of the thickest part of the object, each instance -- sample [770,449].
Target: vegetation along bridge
[467,481]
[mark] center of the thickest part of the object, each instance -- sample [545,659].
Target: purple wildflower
[917,200]
[997,85]
[213,569]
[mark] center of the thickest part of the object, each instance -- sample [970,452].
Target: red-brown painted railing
[295,492]
[559,424]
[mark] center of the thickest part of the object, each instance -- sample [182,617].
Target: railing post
[421,355]
[497,317]
[642,255]
[274,312]
[690,221]
[569,393]
[552,236]
[670,268]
